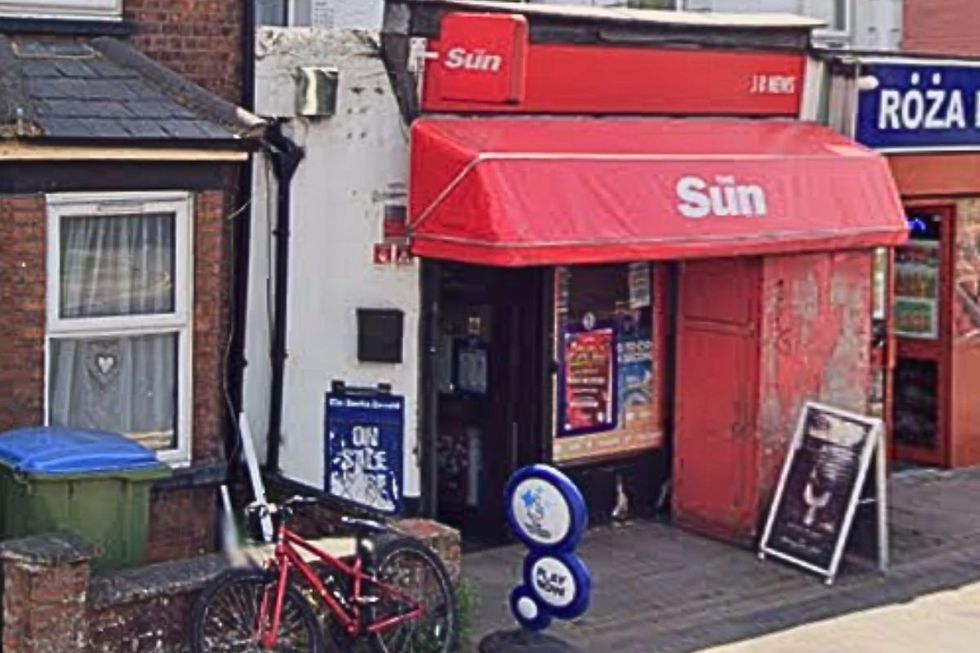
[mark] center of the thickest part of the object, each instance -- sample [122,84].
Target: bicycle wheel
[414,570]
[226,616]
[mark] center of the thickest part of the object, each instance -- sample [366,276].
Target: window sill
[73,26]
[196,475]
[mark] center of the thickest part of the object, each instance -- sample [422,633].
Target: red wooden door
[717,352]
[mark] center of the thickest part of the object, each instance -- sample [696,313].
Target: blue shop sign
[364,433]
[919,106]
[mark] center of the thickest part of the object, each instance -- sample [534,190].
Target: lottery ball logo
[547,513]
[542,511]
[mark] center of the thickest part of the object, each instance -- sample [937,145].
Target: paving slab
[658,589]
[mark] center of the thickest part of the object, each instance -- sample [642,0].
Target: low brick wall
[147,608]
[51,604]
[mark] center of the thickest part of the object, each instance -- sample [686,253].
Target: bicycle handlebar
[269,508]
[264,508]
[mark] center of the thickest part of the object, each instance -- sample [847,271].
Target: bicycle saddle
[364,525]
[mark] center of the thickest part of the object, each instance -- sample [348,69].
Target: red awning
[554,191]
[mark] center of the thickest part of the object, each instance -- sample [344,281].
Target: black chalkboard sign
[824,478]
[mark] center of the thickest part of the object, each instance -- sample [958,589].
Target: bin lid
[59,450]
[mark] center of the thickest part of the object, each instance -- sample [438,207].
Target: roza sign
[919,105]
[724,198]
[932,107]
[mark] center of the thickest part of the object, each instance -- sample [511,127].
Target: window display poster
[916,318]
[635,383]
[917,289]
[639,283]
[471,367]
[588,392]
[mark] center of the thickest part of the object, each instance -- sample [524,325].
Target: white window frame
[64,9]
[830,33]
[181,205]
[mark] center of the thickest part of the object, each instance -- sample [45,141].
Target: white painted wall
[356,162]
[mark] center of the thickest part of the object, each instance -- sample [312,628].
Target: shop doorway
[487,390]
[922,310]
[717,354]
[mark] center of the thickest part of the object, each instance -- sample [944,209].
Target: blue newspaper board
[364,436]
[919,106]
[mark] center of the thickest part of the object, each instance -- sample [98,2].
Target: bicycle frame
[287,557]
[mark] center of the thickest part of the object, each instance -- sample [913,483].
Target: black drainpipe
[286,156]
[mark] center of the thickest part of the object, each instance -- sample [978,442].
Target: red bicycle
[394,596]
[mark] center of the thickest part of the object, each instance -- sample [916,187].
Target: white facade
[355,164]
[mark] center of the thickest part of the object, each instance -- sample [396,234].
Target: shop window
[119,317]
[917,279]
[98,9]
[916,412]
[296,13]
[605,399]
[835,13]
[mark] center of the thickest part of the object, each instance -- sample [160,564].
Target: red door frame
[939,350]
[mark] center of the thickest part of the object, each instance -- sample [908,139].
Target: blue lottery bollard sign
[546,512]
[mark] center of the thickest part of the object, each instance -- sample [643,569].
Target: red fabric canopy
[515,192]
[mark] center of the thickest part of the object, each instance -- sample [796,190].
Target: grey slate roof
[105,90]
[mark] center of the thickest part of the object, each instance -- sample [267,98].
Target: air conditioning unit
[316,91]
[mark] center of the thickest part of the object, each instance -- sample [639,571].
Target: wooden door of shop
[487,426]
[921,318]
[716,392]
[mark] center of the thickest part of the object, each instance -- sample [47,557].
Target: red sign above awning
[486,63]
[515,192]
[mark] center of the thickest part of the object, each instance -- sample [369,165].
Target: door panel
[716,394]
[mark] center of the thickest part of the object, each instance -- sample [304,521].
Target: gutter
[286,156]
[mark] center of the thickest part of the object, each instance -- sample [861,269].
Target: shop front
[644,301]
[923,114]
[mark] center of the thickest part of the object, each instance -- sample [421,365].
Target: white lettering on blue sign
[919,105]
[922,108]
[364,450]
[725,198]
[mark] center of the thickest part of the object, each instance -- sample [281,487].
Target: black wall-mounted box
[379,335]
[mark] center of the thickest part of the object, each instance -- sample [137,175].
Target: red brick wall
[22,296]
[942,27]
[197,38]
[182,520]
[182,524]
[212,292]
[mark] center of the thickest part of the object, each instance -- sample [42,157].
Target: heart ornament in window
[103,361]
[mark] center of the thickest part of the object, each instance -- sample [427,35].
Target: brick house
[942,27]
[120,150]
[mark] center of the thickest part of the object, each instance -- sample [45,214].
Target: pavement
[658,589]
[947,621]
